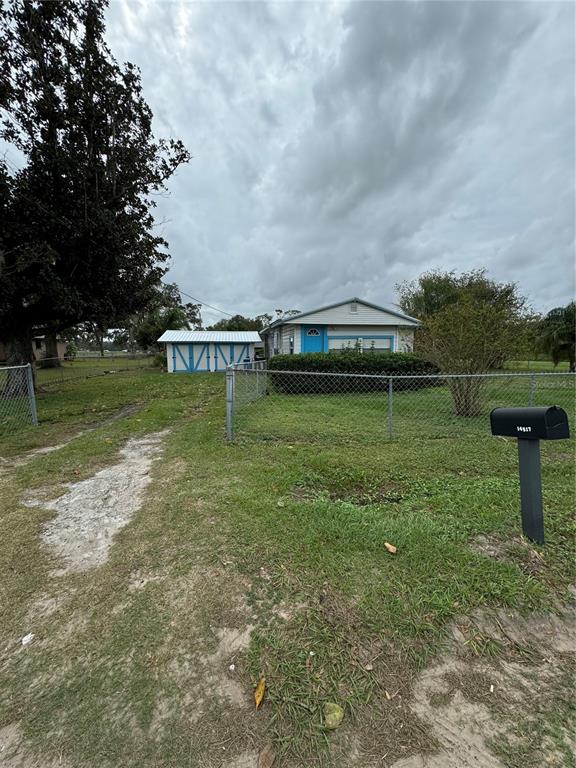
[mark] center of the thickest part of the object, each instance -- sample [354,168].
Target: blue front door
[313,338]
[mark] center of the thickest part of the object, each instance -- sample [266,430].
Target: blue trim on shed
[193,357]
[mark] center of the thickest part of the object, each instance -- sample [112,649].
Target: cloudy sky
[340,148]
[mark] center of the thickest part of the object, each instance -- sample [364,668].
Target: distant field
[536,366]
[85,367]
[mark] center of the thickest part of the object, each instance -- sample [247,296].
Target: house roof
[224,337]
[354,299]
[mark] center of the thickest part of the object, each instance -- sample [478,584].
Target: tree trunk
[19,353]
[51,359]
[467,395]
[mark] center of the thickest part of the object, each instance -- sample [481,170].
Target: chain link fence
[51,371]
[294,406]
[17,399]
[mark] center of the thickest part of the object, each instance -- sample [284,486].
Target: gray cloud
[341,148]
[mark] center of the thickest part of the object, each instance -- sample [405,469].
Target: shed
[195,351]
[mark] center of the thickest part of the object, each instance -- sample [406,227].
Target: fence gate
[17,398]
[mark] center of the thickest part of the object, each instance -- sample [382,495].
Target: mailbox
[529,426]
[550,423]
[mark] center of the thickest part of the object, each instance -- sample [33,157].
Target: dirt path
[91,511]
[26,458]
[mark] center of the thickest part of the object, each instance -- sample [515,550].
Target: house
[353,323]
[38,348]
[195,351]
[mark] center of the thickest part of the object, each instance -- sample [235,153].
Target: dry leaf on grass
[260,691]
[390,547]
[266,757]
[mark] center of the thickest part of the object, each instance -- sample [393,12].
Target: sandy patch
[91,511]
[11,755]
[458,697]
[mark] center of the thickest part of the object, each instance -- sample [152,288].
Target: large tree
[556,334]
[77,183]
[436,290]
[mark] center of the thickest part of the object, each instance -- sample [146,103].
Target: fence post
[532,390]
[230,403]
[390,408]
[31,394]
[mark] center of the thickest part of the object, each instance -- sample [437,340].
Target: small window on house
[354,307]
[38,343]
[313,332]
[291,345]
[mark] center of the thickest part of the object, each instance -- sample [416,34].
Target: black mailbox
[550,423]
[530,425]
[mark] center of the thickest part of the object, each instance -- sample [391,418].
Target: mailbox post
[529,426]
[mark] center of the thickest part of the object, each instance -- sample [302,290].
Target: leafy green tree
[435,290]
[77,240]
[241,323]
[556,334]
[165,312]
[149,330]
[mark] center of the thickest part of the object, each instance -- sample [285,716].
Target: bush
[383,365]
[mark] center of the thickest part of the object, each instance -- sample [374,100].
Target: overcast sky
[340,148]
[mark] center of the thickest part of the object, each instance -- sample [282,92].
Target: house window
[354,308]
[313,332]
[291,345]
[377,345]
[38,343]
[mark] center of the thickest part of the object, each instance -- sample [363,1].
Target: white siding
[405,340]
[287,332]
[342,315]
[169,359]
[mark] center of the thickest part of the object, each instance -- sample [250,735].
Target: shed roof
[224,337]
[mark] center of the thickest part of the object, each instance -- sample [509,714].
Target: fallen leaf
[260,691]
[333,715]
[390,547]
[266,757]
[387,695]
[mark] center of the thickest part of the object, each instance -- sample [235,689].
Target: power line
[204,303]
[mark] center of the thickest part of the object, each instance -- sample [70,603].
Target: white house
[195,351]
[351,323]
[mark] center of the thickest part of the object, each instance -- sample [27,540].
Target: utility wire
[204,303]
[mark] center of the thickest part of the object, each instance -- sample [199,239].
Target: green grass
[538,366]
[285,534]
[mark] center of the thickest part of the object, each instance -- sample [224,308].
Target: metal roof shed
[196,351]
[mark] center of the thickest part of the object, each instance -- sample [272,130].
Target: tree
[556,334]
[469,337]
[76,219]
[435,290]
[241,323]
[149,330]
[165,312]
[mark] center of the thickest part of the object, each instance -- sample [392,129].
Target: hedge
[382,364]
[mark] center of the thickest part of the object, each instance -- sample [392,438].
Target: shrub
[383,365]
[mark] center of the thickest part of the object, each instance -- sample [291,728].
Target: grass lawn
[267,558]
